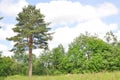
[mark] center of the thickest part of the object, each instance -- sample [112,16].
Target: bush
[5,69]
[57,72]
[75,71]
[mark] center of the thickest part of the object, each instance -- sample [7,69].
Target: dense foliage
[86,54]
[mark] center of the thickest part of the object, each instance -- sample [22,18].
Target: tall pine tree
[31,32]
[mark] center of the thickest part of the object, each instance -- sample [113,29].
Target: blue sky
[68,19]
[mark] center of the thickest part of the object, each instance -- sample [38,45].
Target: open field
[93,76]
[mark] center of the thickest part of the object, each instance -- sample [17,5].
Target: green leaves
[91,54]
[5,63]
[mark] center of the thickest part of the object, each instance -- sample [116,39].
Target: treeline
[86,54]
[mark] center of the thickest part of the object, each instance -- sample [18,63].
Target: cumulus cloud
[3,47]
[64,12]
[63,35]
[11,7]
[106,9]
[97,26]
[5,50]
[6,31]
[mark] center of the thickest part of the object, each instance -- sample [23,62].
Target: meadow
[88,76]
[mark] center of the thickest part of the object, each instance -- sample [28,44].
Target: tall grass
[92,76]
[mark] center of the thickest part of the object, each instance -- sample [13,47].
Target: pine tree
[31,31]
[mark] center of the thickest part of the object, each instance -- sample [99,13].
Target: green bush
[5,66]
[56,72]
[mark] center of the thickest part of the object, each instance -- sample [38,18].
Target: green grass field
[93,76]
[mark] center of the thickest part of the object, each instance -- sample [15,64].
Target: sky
[68,19]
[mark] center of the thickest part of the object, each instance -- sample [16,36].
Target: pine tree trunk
[30,56]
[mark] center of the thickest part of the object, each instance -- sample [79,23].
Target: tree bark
[30,56]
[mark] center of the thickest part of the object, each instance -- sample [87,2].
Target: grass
[92,76]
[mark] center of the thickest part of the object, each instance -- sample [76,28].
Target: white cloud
[11,7]
[64,12]
[106,9]
[5,50]
[37,51]
[96,26]
[7,53]
[64,36]
[6,31]
[2,47]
